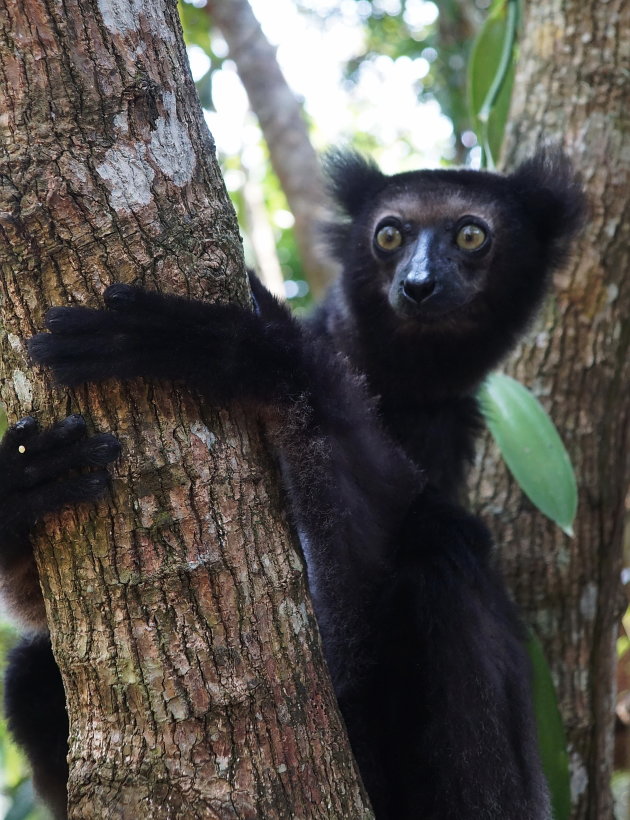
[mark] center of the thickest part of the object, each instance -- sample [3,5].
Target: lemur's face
[443,250]
[433,252]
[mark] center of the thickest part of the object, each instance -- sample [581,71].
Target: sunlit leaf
[3,420]
[551,735]
[491,76]
[531,447]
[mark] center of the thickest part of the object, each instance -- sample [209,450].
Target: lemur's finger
[63,432]
[101,449]
[20,433]
[53,350]
[77,320]
[102,363]
[50,465]
[31,504]
[122,297]
[185,313]
[57,495]
[73,448]
[126,298]
[123,354]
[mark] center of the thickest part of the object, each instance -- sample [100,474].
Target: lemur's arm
[226,352]
[38,476]
[349,485]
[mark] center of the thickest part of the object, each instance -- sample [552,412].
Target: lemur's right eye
[470,237]
[388,238]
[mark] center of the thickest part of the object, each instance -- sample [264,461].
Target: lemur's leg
[35,706]
[38,475]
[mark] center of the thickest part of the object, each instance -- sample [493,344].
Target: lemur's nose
[418,289]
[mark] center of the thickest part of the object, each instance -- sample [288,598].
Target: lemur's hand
[140,333]
[38,470]
[225,351]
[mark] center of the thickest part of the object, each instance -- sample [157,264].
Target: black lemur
[371,404]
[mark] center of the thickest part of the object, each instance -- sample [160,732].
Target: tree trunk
[572,87]
[178,611]
[292,156]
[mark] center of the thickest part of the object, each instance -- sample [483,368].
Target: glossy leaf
[531,447]
[491,76]
[551,735]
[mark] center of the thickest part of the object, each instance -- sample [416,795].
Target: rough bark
[572,87]
[178,611]
[281,119]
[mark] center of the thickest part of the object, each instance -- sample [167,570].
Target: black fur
[41,471]
[371,405]
[35,703]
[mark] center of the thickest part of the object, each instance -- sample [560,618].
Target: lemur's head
[435,245]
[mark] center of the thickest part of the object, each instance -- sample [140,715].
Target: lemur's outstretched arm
[349,484]
[224,351]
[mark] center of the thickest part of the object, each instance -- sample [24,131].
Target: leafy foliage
[531,447]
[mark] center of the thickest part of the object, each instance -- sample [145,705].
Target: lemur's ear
[553,197]
[352,179]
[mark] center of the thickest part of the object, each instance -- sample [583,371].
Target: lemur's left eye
[388,238]
[470,237]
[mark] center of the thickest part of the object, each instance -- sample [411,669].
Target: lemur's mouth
[435,307]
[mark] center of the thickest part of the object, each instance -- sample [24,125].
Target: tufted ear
[553,197]
[352,179]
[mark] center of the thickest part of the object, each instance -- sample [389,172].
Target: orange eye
[388,238]
[470,237]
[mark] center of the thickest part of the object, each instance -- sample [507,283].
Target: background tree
[281,119]
[571,87]
[178,613]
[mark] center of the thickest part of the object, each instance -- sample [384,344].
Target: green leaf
[3,420]
[551,736]
[491,76]
[531,447]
